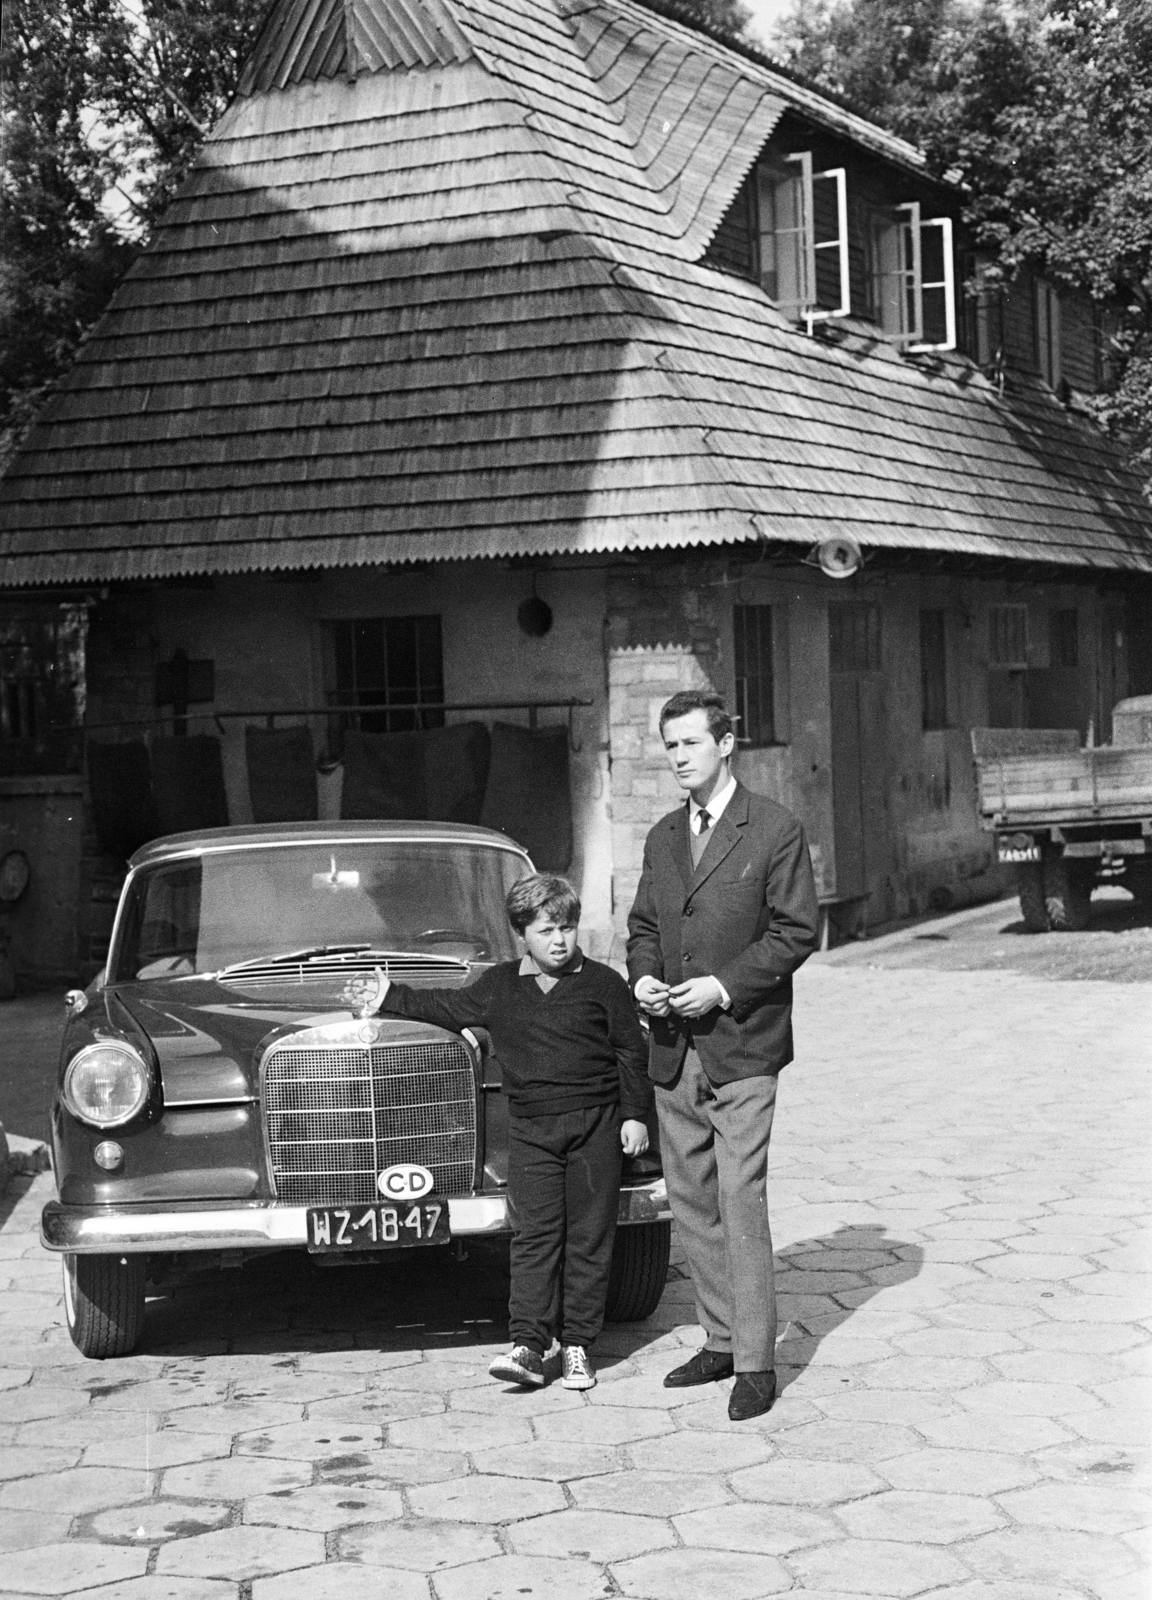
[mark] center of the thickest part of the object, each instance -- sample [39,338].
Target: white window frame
[947,283]
[910,277]
[803,307]
[1046,301]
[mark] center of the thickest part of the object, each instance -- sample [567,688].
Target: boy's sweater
[578,1045]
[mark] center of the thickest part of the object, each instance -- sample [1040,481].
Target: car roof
[213,841]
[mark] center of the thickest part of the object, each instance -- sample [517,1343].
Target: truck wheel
[1068,892]
[1033,906]
[639,1270]
[104,1303]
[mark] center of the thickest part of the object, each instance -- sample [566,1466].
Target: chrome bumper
[98,1230]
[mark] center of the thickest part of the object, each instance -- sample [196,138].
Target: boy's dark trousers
[564,1189]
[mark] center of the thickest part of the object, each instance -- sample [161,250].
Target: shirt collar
[717,803]
[529,969]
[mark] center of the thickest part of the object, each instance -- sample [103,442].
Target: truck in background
[1069,816]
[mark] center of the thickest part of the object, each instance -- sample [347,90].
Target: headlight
[107,1085]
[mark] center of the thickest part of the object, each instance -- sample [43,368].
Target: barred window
[1008,636]
[755,683]
[388,666]
[853,637]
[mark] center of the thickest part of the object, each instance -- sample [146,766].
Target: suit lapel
[681,849]
[723,841]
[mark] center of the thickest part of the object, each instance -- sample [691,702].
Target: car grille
[338,1117]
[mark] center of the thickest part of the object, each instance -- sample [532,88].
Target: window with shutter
[1046,310]
[1008,636]
[913,277]
[804,238]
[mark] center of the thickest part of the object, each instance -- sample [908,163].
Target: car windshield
[216,910]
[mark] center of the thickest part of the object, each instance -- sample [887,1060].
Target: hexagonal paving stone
[958,1471]
[20,1530]
[949,1374]
[510,1577]
[377,1406]
[40,1400]
[241,1552]
[238,1416]
[1056,1556]
[324,1507]
[920,1518]
[701,1452]
[310,1441]
[78,1490]
[804,1483]
[1007,1398]
[64,1568]
[76,1430]
[603,1424]
[848,1441]
[342,1580]
[160,1395]
[909,1409]
[486,1498]
[420,1544]
[977,1590]
[503,1400]
[1092,1508]
[25,1461]
[649,1494]
[237,1478]
[771,1532]
[594,1535]
[689,1574]
[876,1567]
[157,1520]
[154,1451]
[388,1467]
[160,1587]
[548,1458]
[438,1377]
[460,1430]
[974,1430]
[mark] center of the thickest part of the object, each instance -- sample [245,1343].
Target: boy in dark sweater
[575,1072]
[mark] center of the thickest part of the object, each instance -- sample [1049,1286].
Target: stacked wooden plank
[437,289]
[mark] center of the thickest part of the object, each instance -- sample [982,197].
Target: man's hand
[366,994]
[652,996]
[633,1137]
[695,997]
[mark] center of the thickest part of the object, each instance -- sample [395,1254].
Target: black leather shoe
[706,1366]
[752,1395]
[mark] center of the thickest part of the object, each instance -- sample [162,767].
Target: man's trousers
[564,1192]
[714,1144]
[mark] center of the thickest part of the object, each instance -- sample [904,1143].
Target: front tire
[639,1270]
[1033,906]
[1068,893]
[104,1303]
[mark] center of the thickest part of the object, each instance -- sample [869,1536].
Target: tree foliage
[1045,112]
[103,109]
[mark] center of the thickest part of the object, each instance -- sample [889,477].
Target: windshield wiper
[307,954]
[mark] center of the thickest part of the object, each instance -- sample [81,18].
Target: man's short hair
[706,700]
[541,891]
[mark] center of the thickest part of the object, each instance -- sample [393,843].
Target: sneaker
[577,1373]
[520,1365]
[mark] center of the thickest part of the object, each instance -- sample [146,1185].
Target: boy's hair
[706,700]
[541,891]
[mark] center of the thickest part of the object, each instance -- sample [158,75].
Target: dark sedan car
[222,1090]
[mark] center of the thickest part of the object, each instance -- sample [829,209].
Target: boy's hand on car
[633,1137]
[367,994]
[652,996]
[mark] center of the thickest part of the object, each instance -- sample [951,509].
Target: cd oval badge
[405,1182]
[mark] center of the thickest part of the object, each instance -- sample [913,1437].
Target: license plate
[1006,853]
[377,1227]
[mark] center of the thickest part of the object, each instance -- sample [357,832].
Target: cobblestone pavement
[960,1202]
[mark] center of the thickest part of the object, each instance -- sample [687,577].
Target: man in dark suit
[724,914]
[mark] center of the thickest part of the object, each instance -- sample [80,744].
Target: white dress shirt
[714,807]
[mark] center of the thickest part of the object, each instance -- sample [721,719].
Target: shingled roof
[436,289]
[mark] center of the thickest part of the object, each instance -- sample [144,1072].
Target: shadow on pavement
[824,1281]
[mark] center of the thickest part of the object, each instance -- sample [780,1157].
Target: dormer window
[804,238]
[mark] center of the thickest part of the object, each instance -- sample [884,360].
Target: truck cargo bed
[1024,779]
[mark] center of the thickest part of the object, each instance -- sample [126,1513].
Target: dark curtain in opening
[281,774]
[528,795]
[123,806]
[188,781]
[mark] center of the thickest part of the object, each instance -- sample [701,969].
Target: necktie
[705,821]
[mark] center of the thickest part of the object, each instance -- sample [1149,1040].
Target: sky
[764,14]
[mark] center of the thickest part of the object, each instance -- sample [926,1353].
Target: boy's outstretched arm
[453,1009]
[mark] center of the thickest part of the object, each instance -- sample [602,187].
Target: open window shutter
[937,286]
[831,291]
[787,267]
[896,245]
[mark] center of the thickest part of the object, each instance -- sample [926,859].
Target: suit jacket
[746,915]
